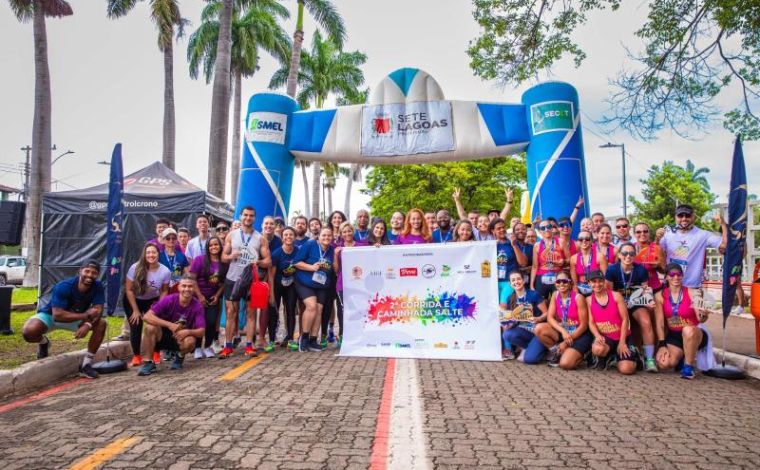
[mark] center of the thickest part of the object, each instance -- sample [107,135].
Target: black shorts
[613,344]
[304,292]
[167,341]
[228,285]
[583,343]
[675,338]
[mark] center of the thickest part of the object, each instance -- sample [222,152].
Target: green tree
[166,16]
[253,28]
[430,186]
[39,177]
[698,174]
[324,70]
[664,188]
[692,52]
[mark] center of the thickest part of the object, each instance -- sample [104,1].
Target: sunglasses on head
[564,225]
[627,253]
[639,232]
[675,274]
[621,226]
[562,281]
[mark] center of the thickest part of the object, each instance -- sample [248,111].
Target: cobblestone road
[319,411]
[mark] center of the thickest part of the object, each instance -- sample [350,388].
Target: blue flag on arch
[733,261]
[114,243]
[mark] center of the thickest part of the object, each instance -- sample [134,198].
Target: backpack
[243,284]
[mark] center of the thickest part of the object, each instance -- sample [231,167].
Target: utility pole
[625,193]
[28,150]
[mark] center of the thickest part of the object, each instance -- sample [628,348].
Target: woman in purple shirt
[415,229]
[347,237]
[209,271]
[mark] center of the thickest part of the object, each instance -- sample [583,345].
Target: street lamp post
[67,152]
[609,145]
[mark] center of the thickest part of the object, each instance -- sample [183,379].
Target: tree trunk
[169,121]
[349,183]
[307,207]
[295,57]
[236,122]
[329,199]
[315,186]
[39,181]
[220,106]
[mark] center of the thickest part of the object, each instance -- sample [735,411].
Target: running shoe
[331,334]
[217,347]
[269,347]
[687,372]
[168,356]
[236,342]
[225,353]
[293,345]
[340,341]
[650,365]
[323,343]
[303,344]
[136,360]
[508,355]
[147,368]
[738,310]
[88,372]
[250,351]
[552,357]
[611,362]
[315,346]
[43,349]
[209,353]
[177,362]
[156,357]
[198,353]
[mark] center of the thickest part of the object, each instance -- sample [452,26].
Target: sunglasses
[222,229]
[683,214]
[564,225]
[562,281]
[544,228]
[675,274]
[639,232]
[584,239]
[621,226]
[170,238]
[627,253]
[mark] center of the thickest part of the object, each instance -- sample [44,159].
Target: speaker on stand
[11,222]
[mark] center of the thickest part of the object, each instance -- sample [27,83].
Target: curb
[748,364]
[40,373]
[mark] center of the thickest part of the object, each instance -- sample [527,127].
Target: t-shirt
[393,236]
[310,253]
[208,282]
[443,237]
[298,243]
[170,309]
[531,298]
[480,236]
[283,264]
[506,260]
[66,295]
[626,283]
[153,281]
[196,247]
[274,243]
[409,239]
[361,235]
[176,264]
[688,250]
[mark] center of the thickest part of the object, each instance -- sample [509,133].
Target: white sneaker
[738,310]
[216,347]
[209,352]
[198,353]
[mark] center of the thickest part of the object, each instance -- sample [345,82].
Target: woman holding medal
[209,272]
[566,331]
[281,278]
[526,309]
[678,333]
[585,261]
[549,258]
[313,262]
[604,244]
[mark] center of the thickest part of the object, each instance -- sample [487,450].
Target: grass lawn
[14,351]
[24,295]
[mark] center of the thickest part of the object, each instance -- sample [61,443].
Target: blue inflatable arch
[408,120]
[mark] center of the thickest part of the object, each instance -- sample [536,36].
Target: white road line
[406,444]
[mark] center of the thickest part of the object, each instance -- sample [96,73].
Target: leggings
[534,349]
[211,316]
[135,331]
[327,309]
[340,311]
[288,298]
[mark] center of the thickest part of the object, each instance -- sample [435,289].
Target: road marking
[407,441]
[43,394]
[101,456]
[242,368]
[379,458]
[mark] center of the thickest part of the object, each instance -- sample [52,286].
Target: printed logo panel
[551,116]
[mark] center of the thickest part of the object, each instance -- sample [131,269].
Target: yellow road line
[101,456]
[242,368]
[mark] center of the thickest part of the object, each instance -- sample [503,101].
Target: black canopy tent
[74,222]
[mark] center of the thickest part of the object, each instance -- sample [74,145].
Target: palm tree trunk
[220,106]
[235,165]
[169,121]
[295,57]
[315,185]
[39,181]
[349,183]
[307,207]
[329,199]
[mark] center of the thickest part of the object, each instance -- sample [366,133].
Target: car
[12,269]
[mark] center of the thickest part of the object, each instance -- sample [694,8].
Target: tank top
[548,257]
[583,265]
[567,312]
[572,248]
[250,248]
[607,318]
[610,252]
[681,305]
[648,257]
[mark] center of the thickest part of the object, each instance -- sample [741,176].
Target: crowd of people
[588,300]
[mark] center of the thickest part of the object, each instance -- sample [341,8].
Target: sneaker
[508,355]
[269,347]
[314,346]
[168,356]
[331,334]
[43,349]
[340,341]
[147,368]
[209,353]
[687,372]
[552,357]
[323,342]
[88,372]
[738,310]
[177,362]
[156,357]
[285,343]
[136,360]
[303,344]
[610,362]
[650,365]
[250,352]
[293,345]
[236,342]
[198,353]
[225,353]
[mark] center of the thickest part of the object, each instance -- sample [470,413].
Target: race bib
[584,288]
[286,281]
[549,279]
[319,277]
[502,272]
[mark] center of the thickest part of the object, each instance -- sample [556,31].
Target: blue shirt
[443,237]
[299,243]
[310,253]
[625,284]
[361,235]
[392,237]
[66,295]
[527,250]
[531,297]
[176,264]
[274,243]
[283,263]
[506,260]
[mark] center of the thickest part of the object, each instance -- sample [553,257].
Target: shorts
[675,338]
[583,343]
[167,341]
[304,292]
[52,325]
[613,344]
[228,286]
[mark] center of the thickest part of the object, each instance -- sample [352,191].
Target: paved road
[740,333]
[319,411]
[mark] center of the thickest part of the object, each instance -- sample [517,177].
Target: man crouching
[172,324]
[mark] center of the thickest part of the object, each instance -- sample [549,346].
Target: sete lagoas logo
[382,124]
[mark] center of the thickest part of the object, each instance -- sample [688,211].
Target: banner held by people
[422,301]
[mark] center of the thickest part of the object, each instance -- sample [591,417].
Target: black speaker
[11,222]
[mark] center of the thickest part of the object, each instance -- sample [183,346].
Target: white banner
[436,301]
[407,129]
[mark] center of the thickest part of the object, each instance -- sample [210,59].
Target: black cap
[493,211]
[684,209]
[594,274]
[673,266]
[91,263]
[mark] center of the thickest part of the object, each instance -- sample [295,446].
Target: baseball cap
[594,274]
[684,209]
[168,231]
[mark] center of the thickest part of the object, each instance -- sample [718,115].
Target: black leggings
[135,331]
[288,298]
[327,309]
[211,313]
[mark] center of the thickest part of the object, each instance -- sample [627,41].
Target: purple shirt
[169,309]
[410,239]
[209,282]
[339,257]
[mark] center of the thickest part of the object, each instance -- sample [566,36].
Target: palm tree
[324,70]
[166,16]
[698,175]
[355,171]
[39,179]
[254,28]
[326,16]
[331,172]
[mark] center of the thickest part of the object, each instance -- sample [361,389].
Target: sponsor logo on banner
[370,345]
[470,345]
[266,127]
[420,343]
[403,346]
[466,269]
[441,346]
[551,116]
[485,269]
[445,270]
[428,271]
[390,273]
[356,272]
[407,128]
[385,345]
[375,273]
[408,272]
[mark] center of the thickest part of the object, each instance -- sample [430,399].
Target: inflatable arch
[408,120]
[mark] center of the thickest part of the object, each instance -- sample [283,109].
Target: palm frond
[119,8]
[327,16]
